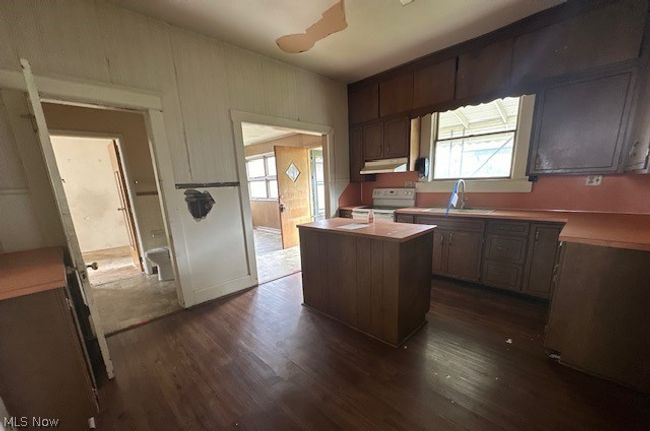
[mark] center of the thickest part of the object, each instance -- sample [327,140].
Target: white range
[386,201]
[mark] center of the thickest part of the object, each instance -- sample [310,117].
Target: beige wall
[91,192]
[200,81]
[131,129]
[298,140]
[265,214]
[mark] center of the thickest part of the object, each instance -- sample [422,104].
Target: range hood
[384,166]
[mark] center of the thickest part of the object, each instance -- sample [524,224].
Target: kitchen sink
[479,211]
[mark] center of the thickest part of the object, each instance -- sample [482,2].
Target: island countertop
[386,230]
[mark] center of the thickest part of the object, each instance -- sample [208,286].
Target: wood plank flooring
[261,361]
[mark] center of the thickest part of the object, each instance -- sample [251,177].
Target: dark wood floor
[260,361]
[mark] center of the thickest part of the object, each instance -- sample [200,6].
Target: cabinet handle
[451,238]
[536,235]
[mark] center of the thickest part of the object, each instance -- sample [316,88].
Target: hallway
[273,262]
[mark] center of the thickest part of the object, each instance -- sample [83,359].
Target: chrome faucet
[461,182]
[457,201]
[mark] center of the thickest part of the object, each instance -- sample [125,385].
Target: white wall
[91,191]
[200,81]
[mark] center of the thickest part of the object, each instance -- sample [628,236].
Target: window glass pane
[496,116]
[270,166]
[320,177]
[273,189]
[255,168]
[257,189]
[320,193]
[477,157]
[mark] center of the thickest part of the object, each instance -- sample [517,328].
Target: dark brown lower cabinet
[512,255]
[542,252]
[599,320]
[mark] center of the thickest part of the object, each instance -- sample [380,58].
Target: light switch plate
[594,180]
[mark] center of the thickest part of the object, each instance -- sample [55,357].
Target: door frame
[239,117]
[118,139]
[100,95]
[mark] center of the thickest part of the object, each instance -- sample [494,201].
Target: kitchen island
[375,278]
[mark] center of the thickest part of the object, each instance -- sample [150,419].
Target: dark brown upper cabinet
[605,35]
[372,141]
[484,71]
[396,94]
[363,104]
[396,136]
[580,126]
[434,84]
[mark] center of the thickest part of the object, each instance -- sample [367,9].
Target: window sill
[510,185]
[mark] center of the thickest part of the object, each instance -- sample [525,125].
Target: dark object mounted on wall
[199,203]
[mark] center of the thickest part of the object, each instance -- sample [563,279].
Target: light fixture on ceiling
[331,21]
[406,2]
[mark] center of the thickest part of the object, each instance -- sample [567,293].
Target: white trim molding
[518,182]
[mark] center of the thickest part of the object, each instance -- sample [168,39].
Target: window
[476,141]
[317,183]
[262,181]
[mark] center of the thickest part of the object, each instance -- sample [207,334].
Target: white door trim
[239,117]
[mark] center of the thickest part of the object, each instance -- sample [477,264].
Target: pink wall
[620,193]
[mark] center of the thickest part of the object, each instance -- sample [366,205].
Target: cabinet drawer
[452,223]
[404,218]
[508,227]
[502,275]
[507,249]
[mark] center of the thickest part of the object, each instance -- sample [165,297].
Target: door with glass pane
[293,166]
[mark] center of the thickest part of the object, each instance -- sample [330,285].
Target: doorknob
[93,266]
[121,209]
[282,207]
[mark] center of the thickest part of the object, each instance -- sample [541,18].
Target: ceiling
[381,33]
[257,133]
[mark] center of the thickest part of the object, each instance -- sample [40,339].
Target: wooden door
[372,142]
[395,137]
[64,212]
[580,126]
[464,254]
[438,262]
[542,256]
[125,203]
[292,167]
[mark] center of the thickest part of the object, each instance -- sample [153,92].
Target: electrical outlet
[594,180]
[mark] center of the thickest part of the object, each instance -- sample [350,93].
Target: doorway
[108,180]
[286,184]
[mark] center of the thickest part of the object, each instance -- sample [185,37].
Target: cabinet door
[396,94]
[371,136]
[363,104]
[438,262]
[580,126]
[395,138]
[484,71]
[434,84]
[541,259]
[356,154]
[464,254]
[605,35]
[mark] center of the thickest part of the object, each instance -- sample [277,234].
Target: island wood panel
[379,287]
[599,319]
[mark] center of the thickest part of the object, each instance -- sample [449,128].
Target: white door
[64,212]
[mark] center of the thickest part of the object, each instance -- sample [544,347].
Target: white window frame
[266,178]
[516,183]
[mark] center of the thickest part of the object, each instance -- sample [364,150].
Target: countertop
[386,230]
[629,231]
[26,272]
